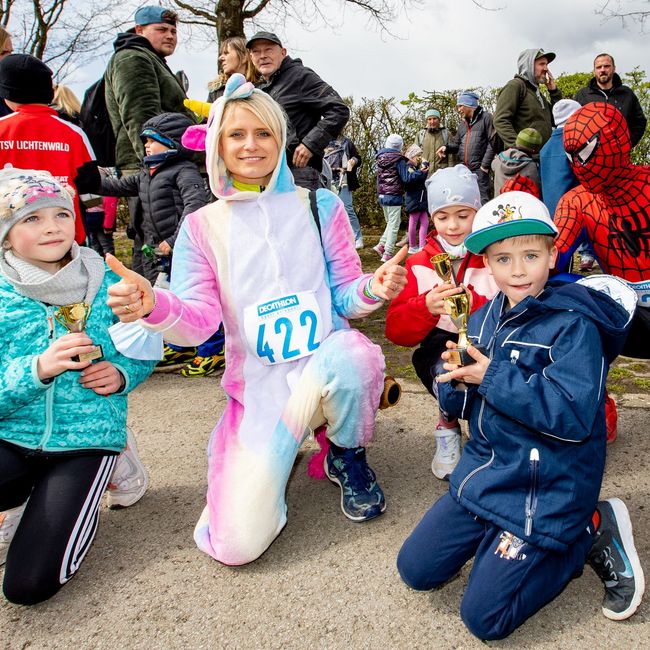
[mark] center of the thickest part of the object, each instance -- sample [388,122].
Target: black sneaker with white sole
[614,558]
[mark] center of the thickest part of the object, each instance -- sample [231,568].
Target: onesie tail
[315,467]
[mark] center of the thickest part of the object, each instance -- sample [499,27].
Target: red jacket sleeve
[408,321]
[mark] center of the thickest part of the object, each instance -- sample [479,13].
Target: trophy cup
[74,317]
[458,309]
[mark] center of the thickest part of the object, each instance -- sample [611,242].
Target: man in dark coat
[316,112]
[472,141]
[606,86]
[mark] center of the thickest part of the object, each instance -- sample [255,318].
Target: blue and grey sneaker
[361,496]
[614,558]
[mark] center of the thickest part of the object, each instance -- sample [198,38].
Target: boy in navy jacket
[523,500]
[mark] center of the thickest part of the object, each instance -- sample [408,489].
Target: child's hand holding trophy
[458,307]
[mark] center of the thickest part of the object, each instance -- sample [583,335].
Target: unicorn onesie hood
[284,291]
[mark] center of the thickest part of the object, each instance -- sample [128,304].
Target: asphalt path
[325,582]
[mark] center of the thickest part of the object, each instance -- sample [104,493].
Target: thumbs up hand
[390,277]
[132,297]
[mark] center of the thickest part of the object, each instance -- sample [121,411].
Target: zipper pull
[50,327]
[531,498]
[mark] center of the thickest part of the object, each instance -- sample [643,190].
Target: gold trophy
[457,307]
[74,317]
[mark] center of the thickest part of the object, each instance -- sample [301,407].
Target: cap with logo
[510,214]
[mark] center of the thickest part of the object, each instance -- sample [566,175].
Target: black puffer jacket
[623,98]
[472,143]
[316,112]
[168,192]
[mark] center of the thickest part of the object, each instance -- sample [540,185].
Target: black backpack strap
[313,204]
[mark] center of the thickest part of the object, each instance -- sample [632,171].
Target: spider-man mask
[597,142]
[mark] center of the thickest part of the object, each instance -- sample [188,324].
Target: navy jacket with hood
[170,191]
[544,389]
[415,193]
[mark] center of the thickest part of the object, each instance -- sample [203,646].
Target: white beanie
[563,110]
[394,141]
[413,151]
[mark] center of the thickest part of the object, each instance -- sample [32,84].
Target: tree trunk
[230,19]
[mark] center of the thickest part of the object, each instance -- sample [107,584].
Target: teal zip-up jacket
[60,416]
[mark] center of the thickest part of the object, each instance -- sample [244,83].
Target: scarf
[77,281]
[454,252]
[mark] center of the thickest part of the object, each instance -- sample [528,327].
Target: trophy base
[460,356]
[90,356]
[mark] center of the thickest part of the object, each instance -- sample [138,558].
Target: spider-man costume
[610,207]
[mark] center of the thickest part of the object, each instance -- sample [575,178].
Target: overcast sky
[446,44]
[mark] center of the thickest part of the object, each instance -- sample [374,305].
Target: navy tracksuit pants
[510,579]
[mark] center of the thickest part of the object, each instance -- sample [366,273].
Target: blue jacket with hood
[543,390]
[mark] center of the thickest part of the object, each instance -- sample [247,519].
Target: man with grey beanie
[472,141]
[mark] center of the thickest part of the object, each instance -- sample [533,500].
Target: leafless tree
[63,33]
[626,11]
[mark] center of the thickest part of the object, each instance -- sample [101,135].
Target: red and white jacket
[408,320]
[35,137]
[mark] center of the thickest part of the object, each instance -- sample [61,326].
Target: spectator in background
[36,138]
[233,57]
[139,86]
[520,103]
[390,190]
[556,174]
[471,142]
[315,111]
[413,175]
[344,160]
[66,104]
[606,86]
[518,160]
[432,139]
[100,224]
[6,48]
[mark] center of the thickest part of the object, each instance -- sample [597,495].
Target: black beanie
[24,79]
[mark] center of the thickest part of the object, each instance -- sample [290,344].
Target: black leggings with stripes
[60,519]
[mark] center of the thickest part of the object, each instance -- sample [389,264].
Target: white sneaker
[413,250]
[402,242]
[447,452]
[358,244]
[130,479]
[9,520]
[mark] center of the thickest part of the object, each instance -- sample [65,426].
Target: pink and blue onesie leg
[246,510]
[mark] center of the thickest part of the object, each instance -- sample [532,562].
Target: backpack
[96,123]
[498,145]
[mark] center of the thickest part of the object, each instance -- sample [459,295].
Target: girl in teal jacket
[63,393]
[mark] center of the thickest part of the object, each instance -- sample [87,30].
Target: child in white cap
[523,500]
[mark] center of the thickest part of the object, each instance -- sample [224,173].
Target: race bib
[285,328]
[642,292]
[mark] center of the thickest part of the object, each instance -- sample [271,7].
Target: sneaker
[379,249]
[615,561]
[361,496]
[204,366]
[358,244]
[413,250]
[9,520]
[447,452]
[130,479]
[402,242]
[174,359]
[386,256]
[587,262]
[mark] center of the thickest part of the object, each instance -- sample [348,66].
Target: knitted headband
[22,192]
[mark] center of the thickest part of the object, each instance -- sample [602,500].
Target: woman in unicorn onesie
[284,284]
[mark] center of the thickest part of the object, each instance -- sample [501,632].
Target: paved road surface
[326,582]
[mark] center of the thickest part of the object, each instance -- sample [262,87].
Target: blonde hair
[265,109]
[65,100]
[238,44]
